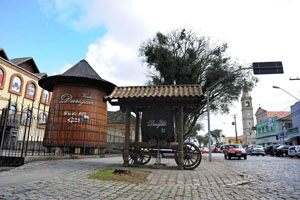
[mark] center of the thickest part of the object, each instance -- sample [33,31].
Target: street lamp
[258,68]
[208,90]
[276,87]
[85,118]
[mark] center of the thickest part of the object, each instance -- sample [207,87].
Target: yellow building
[28,102]
[232,140]
[116,122]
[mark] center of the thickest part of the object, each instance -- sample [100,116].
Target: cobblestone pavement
[255,178]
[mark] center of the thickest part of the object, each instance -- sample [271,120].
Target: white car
[294,151]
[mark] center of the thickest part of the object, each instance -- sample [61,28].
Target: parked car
[257,150]
[234,150]
[249,149]
[282,150]
[204,150]
[269,149]
[294,151]
[273,153]
[215,150]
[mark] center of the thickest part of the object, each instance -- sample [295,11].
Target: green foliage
[182,57]
[217,135]
[202,140]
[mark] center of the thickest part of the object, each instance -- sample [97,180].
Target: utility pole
[236,137]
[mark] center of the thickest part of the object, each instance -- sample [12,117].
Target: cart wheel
[134,155]
[137,156]
[191,156]
[146,156]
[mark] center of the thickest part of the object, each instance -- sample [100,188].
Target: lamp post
[276,87]
[85,118]
[208,90]
[258,68]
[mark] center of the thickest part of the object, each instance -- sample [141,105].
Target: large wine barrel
[77,117]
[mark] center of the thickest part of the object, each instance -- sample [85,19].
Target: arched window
[16,84]
[26,117]
[45,98]
[2,77]
[247,104]
[12,110]
[42,118]
[30,90]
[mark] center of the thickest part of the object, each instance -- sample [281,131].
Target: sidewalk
[67,179]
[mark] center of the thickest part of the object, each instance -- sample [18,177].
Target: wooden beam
[127,136]
[137,126]
[179,132]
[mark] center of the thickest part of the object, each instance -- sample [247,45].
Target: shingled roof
[19,61]
[161,91]
[83,73]
[3,54]
[279,114]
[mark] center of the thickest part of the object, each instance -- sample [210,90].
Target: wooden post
[137,126]
[127,135]
[180,137]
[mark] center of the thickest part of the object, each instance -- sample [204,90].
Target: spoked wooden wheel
[191,156]
[146,157]
[138,156]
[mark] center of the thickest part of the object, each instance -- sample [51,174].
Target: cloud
[116,62]
[254,30]
[63,69]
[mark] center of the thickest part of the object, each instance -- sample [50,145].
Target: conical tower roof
[81,73]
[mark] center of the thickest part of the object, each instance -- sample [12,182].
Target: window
[30,90]
[16,84]
[45,98]
[42,118]
[2,77]
[12,110]
[247,104]
[26,117]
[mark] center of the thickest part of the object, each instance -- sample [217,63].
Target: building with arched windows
[24,102]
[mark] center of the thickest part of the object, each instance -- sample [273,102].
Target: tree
[202,140]
[217,134]
[182,57]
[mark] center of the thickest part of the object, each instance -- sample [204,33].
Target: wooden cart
[161,112]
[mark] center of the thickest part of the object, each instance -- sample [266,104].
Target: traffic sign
[268,67]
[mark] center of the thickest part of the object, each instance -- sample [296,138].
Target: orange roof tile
[279,114]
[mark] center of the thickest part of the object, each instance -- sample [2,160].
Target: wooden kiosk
[161,110]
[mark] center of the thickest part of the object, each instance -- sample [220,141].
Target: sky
[108,34]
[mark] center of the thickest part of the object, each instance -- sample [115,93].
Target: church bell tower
[248,119]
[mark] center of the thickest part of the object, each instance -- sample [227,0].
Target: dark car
[234,150]
[282,150]
[271,150]
[268,150]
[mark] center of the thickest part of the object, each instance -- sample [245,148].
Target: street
[255,178]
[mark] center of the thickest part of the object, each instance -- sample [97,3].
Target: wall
[20,100]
